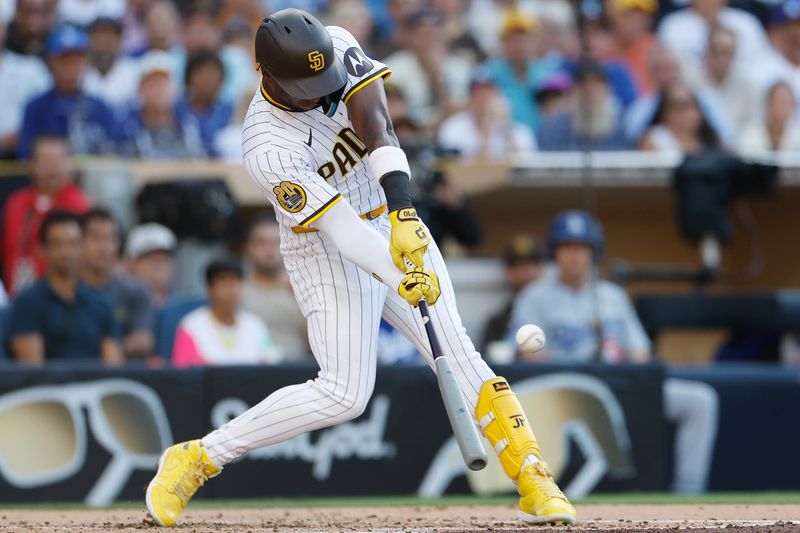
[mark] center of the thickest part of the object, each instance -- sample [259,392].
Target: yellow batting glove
[419,283]
[409,238]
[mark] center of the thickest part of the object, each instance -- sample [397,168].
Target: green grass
[649,498]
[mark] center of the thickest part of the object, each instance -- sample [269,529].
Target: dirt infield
[439,519]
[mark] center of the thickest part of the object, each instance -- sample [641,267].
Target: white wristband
[387,159]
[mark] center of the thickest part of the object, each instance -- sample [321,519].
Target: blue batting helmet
[575,226]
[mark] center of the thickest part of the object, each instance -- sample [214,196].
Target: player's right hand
[419,283]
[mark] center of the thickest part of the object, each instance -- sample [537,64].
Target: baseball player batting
[318,140]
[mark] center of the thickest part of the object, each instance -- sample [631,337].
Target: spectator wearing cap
[778,130]
[201,104]
[685,32]
[21,79]
[593,120]
[59,317]
[27,31]
[153,129]
[66,109]
[222,333]
[150,253]
[485,128]
[524,261]
[554,94]
[51,189]
[434,82]
[517,71]
[130,298]
[111,76]
[720,78]
[782,61]
[631,22]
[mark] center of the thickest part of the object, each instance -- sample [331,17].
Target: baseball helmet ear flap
[576,226]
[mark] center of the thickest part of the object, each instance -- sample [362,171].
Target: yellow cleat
[182,469]
[541,501]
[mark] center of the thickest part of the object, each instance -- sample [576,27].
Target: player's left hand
[419,283]
[409,238]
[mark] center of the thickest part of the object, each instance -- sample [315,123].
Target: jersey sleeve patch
[291,196]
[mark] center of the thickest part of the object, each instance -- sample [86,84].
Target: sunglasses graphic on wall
[44,438]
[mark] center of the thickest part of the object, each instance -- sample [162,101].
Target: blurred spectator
[460,41]
[354,16]
[599,47]
[485,128]
[27,31]
[679,125]
[59,317]
[266,291]
[221,333]
[129,297]
[516,71]
[237,54]
[3,296]
[554,94]
[667,74]
[21,78]
[66,109]
[685,32]
[111,76]
[201,104]
[779,129]
[85,12]
[51,188]
[228,141]
[593,121]
[150,252]
[134,33]
[162,24]
[153,128]
[585,318]
[486,18]
[445,209]
[394,348]
[391,34]
[524,262]
[631,23]
[782,61]
[734,87]
[434,82]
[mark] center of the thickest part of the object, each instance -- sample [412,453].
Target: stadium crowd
[159,79]
[155,79]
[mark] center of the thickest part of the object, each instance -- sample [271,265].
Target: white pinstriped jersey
[305,161]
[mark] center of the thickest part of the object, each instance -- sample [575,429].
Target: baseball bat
[467,436]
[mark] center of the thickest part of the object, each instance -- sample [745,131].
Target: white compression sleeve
[360,243]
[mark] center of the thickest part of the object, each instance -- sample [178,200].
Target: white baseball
[530,338]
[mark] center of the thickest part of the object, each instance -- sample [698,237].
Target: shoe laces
[543,478]
[192,479]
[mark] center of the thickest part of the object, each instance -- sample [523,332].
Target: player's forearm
[369,114]
[360,243]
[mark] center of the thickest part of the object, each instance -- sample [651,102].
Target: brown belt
[369,215]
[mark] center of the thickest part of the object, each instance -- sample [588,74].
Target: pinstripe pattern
[342,303]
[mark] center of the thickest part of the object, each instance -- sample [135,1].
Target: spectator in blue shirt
[66,110]
[59,317]
[204,76]
[592,122]
[517,72]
